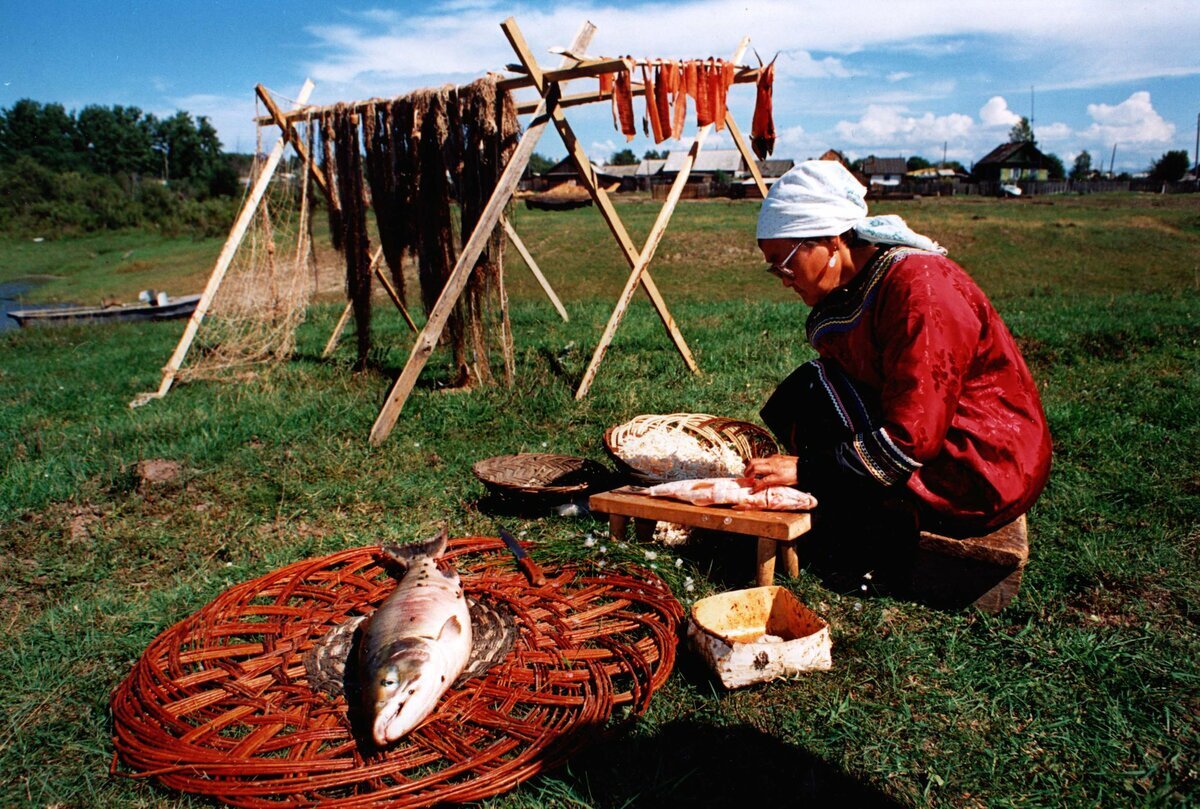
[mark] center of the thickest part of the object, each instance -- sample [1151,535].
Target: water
[10,298]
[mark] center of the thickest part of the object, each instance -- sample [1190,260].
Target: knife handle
[532,571]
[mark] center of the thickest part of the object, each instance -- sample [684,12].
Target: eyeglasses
[780,269]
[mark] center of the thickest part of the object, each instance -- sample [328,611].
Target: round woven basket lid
[533,474]
[711,432]
[219,704]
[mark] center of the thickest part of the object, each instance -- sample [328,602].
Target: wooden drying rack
[549,108]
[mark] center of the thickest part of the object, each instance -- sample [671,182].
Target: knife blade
[530,568]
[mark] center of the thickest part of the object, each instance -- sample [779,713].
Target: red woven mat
[219,703]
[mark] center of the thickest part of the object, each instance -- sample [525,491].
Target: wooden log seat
[984,572]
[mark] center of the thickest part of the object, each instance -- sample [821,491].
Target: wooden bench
[984,572]
[776,531]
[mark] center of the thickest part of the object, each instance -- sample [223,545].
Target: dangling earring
[833,260]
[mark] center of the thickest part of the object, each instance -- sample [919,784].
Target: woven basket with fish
[250,700]
[654,449]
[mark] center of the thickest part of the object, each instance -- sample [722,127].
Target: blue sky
[865,77]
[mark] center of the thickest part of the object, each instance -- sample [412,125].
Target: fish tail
[407,554]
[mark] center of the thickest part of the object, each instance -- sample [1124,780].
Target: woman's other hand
[776,470]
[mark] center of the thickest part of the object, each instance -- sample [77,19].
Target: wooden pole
[587,174]
[391,291]
[533,267]
[427,339]
[337,330]
[647,254]
[747,154]
[224,259]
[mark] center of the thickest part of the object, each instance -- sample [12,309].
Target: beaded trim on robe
[843,308]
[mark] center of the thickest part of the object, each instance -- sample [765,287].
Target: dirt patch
[157,472]
[1122,604]
[1150,223]
[137,266]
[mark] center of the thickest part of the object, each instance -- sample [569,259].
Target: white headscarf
[822,198]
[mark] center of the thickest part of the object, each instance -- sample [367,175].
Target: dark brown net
[219,703]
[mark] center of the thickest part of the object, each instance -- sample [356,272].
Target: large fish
[415,645]
[734,492]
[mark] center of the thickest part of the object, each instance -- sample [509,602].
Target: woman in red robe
[920,397]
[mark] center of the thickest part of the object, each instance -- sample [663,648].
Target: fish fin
[450,630]
[406,554]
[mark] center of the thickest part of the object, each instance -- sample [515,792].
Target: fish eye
[387,682]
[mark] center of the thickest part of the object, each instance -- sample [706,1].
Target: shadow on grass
[690,764]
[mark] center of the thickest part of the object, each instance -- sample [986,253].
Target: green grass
[1085,691]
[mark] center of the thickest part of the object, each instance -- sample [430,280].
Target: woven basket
[539,476]
[219,704]
[712,432]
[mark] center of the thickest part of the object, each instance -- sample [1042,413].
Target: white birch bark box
[760,634]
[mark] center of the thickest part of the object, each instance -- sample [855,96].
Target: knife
[530,568]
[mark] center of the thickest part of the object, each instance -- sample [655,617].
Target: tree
[651,154]
[625,157]
[114,140]
[1022,132]
[1170,167]
[43,132]
[1054,166]
[916,162]
[188,151]
[540,164]
[1083,166]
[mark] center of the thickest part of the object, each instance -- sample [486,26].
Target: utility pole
[1196,168]
[1112,161]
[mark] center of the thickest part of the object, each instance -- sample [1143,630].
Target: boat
[161,307]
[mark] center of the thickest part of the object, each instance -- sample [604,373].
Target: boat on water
[151,307]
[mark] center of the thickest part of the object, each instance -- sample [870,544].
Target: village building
[884,171]
[1011,162]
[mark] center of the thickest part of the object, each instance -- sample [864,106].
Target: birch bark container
[760,634]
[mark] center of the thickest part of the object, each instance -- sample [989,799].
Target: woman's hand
[777,470]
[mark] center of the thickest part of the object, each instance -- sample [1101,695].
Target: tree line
[103,167]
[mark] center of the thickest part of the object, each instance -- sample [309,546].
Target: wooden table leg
[766,562]
[785,554]
[617,524]
[643,529]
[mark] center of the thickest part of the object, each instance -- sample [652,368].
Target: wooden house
[884,171]
[1012,162]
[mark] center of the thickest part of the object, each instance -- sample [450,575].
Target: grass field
[1085,691]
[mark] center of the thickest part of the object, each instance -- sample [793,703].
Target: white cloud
[996,113]
[802,65]
[1055,132]
[1133,121]
[899,75]
[893,127]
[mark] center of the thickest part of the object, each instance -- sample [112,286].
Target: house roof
[650,167]
[1020,153]
[884,165]
[775,168]
[931,172]
[727,160]
[613,170]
